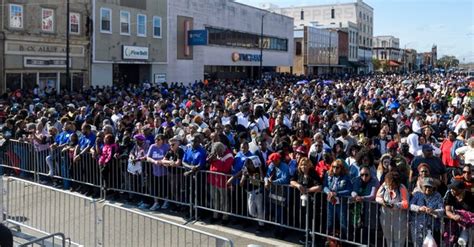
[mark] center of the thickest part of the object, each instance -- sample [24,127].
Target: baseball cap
[457,184]
[392,145]
[427,147]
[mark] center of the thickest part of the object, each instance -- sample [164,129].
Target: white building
[340,14]
[232,49]
[387,49]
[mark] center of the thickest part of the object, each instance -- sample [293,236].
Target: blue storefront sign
[197,37]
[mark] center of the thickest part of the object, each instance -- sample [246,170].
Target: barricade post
[46,209]
[140,229]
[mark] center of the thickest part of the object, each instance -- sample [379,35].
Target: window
[302,15]
[74,23]
[124,22]
[299,49]
[141,25]
[333,14]
[156,27]
[105,20]
[47,20]
[224,37]
[16,16]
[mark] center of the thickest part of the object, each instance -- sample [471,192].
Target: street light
[329,51]
[68,75]
[261,50]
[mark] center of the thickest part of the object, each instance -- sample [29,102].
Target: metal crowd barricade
[148,180]
[371,224]
[45,209]
[126,227]
[48,240]
[19,159]
[279,205]
[22,158]
[60,164]
[359,223]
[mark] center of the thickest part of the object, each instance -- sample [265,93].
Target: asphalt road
[90,223]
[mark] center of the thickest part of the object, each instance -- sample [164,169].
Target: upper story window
[16,16]
[156,26]
[105,20]
[141,25]
[333,13]
[47,16]
[302,15]
[125,22]
[75,23]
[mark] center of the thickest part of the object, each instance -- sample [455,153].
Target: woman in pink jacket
[109,150]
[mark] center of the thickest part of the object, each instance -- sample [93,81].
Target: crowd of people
[402,141]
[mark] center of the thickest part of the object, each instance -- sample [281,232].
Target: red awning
[394,63]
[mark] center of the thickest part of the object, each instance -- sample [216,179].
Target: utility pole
[68,73]
[261,51]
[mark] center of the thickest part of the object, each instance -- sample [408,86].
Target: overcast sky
[418,23]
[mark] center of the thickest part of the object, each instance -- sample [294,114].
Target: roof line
[324,5]
[260,9]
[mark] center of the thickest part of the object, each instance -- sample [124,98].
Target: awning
[394,63]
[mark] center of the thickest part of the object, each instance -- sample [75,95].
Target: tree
[376,63]
[447,62]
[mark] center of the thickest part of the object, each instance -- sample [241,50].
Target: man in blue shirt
[278,174]
[278,171]
[195,155]
[82,169]
[86,141]
[60,142]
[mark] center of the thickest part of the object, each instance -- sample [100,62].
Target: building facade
[129,42]
[358,13]
[230,44]
[33,45]
[317,51]
[387,50]
[409,60]
[429,60]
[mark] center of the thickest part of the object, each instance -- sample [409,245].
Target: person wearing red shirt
[220,160]
[446,147]
[323,166]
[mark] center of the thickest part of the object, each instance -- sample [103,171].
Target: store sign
[160,78]
[246,57]
[27,48]
[135,52]
[197,37]
[45,62]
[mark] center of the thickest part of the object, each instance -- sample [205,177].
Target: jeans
[337,212]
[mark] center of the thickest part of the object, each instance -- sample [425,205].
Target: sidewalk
[240,235]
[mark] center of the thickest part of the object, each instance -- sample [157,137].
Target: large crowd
[402,141]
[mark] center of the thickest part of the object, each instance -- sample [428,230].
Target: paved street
[53,211]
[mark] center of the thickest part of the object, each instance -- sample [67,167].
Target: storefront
[204,44]
[129,42]
[134,68]
[29,64]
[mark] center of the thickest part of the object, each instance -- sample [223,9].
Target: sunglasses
[364,175]
[466,172]
[423,171]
